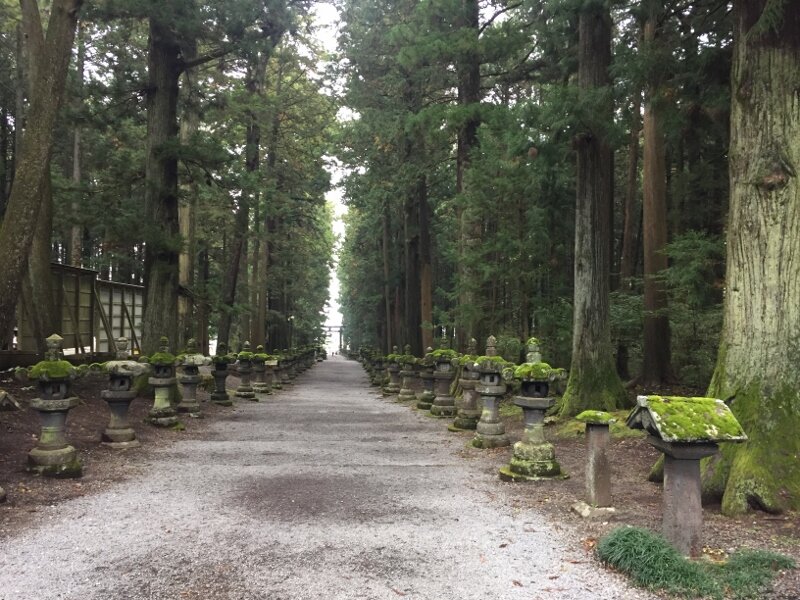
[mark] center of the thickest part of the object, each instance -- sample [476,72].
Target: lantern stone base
[53,456]
[119,434]
[490,435]
[466,420]
[532,463]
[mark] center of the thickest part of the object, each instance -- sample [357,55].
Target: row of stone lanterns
[54,456]
[685,430]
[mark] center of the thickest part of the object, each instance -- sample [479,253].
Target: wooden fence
[92,314]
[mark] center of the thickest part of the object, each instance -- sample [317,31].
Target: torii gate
[331,329]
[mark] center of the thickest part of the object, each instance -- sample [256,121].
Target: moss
[511,411]
[599,417]
[572,428]
[444,354]
[260,357]
[49,370]
[595,386]
[692,419]
[162,359]
[532,341]
[244,355]
[540,371]
[467,358]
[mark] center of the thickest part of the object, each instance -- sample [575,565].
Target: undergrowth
[652,563]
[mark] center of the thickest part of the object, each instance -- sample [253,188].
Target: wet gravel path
[320,491]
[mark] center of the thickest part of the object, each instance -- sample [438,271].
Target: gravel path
[320,491]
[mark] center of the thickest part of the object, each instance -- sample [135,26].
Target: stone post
[221,361]
[277,377]
[393,372]
[189,379]
[490,431]
[444,405]
[121,392]
[53,456]
[598,467]
[426,396]
[163,380]
[245,390]
[269,372]
[468,407]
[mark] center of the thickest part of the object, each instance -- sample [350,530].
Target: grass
[653,564]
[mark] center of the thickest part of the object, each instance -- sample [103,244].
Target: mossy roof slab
[686,420]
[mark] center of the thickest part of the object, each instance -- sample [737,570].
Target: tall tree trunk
[632,223]
[757,362]
[656,355]
[74,248]
[387,299]
[161,188]
[187,209]
[593,381]
[32,174]
[469,97]
[425,266]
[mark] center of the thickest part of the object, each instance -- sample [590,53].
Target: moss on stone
[260,357]
[599,417]
[539,371]
[49,370]
[244,355]
[466,359]
[444,354]
[682,419]
[162,359]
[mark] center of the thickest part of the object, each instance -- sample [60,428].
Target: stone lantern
[245,358]
[53,456]
[490,431]
[277,371]
[119,395]
[270,364]
[426,396]
[468,408]
[260,385]
[162,378]
[221,360]
[534,457]
[407,362]
[286,367]
[445,360]
[686,430]
[189,378]
[393,370]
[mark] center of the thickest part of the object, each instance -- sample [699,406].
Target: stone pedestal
[469,408]
[277,377]
[534,457]
[393,387]
[444,405]
[490,431]
[119,433]
[426,396]
[269,374]
[260,385]
[407,393]
[220,394]
[598,468]
[245,389]
[682,520]
[162,414]
[189,380]
[53,456]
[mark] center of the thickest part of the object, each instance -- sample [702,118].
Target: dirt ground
[638,502]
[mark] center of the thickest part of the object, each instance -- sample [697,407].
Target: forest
[617,178]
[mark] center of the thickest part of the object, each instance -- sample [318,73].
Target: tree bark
[593,381]
[425,267]
[32,173]
[386,284]
[161,188]
[757,362]
[656,352]
[75,246]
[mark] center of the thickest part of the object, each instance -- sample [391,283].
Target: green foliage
[652,563]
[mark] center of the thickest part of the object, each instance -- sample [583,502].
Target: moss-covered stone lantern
[468,407]
[53,456]
[407,362]
[686,430]
[444,372]
[162,378]
[260,385]
[534,457]
[277,378]
[270,364]
[490,431]
[120,393]
[221,360]
[189,378]
[393,372]
[427,365]
[245,368]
